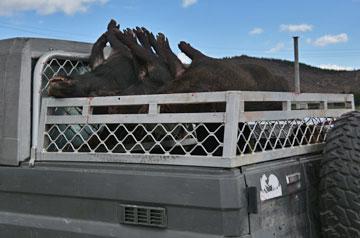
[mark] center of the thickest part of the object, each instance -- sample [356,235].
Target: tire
[340,179]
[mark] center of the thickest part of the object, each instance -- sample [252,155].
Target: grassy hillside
[314,80]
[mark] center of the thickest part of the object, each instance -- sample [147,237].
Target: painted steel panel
[16,61]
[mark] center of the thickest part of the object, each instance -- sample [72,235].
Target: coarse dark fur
[116,73]
[143,64]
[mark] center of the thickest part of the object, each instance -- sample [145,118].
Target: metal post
[297,66]
[234,106]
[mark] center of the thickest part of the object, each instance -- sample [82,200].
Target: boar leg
[115,43]
[122,49]
[191,52]
[128,38]
[97,52]
[163,50]
[175,65]
[155,45]
[143,38]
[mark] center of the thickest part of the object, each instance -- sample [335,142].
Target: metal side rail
[229,138]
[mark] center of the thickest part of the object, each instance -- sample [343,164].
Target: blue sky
[329,29]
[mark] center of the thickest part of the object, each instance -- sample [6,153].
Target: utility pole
[296,64]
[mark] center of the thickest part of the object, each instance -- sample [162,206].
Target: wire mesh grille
[263,136]
[63,67]
[164,139]
[205,139]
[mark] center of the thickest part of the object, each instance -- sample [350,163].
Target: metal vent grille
[144,216]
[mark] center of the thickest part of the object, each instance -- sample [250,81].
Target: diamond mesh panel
[164,139]
[63,67]
[263,136]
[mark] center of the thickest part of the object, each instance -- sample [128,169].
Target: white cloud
[331,39]
[335,67]
[183,58]
[279,46]
[188,3]
[296,28]
[46,7]
[256,31]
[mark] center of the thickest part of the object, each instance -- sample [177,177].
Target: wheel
[340,179]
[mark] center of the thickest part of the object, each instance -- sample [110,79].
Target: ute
[69,170]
